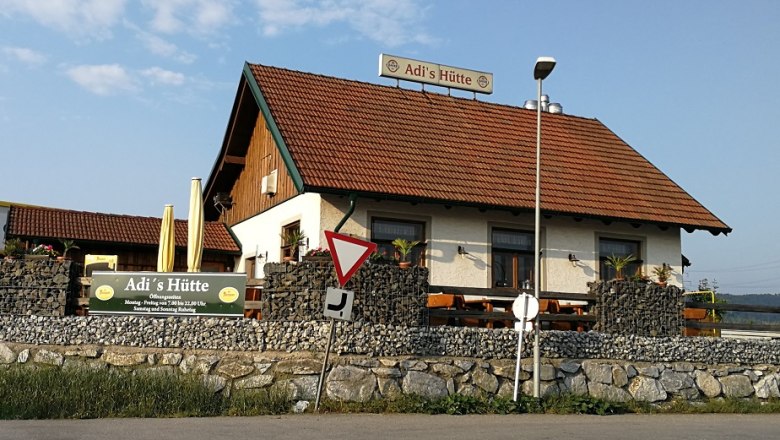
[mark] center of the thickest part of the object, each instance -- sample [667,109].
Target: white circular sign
[525,305]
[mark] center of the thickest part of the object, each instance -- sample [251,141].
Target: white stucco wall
[261,232]
[446,229]
[470,228]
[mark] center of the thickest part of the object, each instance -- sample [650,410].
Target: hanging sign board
[437,74]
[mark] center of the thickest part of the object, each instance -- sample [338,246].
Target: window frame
[286,250]
[516,255]
[635,268]
[385,246]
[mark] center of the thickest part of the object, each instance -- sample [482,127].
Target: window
[619,248]
[513,255]
[384,231]
[290,250]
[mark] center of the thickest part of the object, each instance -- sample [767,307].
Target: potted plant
[13,249]
[381,256]
[317,254]
[67,245]
[41,252]
[404,248]
[619,263]
[662,273]
[293,239]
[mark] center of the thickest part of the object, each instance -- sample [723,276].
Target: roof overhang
[515,210]
[230,162]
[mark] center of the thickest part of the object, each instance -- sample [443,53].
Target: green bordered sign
[165,294]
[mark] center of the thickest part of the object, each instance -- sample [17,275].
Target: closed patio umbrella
[195,227]
[166,253]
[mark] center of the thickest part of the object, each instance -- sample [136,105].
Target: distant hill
[751,317]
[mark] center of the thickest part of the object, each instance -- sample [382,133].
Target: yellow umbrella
[167,242]
[195,227]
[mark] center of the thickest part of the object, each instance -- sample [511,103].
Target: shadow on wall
[455,252]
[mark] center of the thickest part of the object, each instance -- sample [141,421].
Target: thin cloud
[164,48]
[193,16]
[159,75]
[77,18]
[384,21]
[103,79]
[114,79]
[25,55]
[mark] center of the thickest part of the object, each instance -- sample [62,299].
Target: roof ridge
[422,92]
[107,214]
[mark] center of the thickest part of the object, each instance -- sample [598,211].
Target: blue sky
[112,105]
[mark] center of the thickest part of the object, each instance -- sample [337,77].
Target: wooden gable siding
[262,157]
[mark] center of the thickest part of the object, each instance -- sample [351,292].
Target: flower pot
[405,264]
[35,257]
[317,258]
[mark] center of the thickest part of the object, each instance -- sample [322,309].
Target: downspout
[350,211]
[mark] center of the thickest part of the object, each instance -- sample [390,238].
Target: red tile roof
[352,136]
[27,221]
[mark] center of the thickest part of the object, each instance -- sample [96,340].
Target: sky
[113,105]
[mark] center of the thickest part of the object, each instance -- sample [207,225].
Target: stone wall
[384,294]
[356,338]
[38,287]
[638,308]
[360,378]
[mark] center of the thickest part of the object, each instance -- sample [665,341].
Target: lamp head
[543,67]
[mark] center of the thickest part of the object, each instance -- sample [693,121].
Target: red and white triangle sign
[348,254]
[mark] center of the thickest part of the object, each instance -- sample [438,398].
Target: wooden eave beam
[236,160]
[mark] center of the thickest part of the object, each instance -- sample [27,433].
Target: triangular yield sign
[348,254]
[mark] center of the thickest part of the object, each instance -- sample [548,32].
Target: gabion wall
[372,340]
[38,287]
[384,294]
[642,309]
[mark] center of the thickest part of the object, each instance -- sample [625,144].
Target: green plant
[43,249]
[662,272]
[619,263]
[404,247]
[708,293]
[67,245]
[14,248]
[293,237]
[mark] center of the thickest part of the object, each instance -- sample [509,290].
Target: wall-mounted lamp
[573,258]
[462,251]
[223,201]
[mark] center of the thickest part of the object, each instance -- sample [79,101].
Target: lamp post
[543,67]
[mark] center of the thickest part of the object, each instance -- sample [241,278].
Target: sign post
[525,308]
[348,254]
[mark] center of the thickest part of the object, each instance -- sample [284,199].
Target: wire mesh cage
[384,294]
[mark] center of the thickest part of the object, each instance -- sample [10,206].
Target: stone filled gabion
[38,287]
[363,338]
[384,294]
[633,308]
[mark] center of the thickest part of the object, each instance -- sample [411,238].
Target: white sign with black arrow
[338,304]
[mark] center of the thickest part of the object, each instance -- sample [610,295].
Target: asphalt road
[419,427]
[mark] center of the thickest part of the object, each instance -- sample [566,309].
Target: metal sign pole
[519,355]
[324,365]
[525,307]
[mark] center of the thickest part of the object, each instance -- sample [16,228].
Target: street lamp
[543,67]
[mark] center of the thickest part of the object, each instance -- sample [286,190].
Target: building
[135,240]
[457,174]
